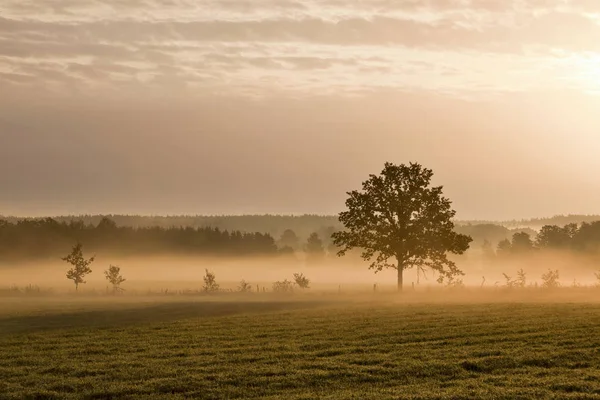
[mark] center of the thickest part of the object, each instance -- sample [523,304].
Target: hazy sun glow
[280,106]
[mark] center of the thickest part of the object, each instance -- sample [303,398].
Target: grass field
[304,347]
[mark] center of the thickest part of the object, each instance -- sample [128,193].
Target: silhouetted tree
[81,266]
[398,215]
[587,238]
[314,248]
[113,276]
[504,248]
[106,224]
[521,243]
[289,239]
[555,237]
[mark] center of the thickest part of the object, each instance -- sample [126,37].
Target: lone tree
[114,277]
[399,216]
[81,266]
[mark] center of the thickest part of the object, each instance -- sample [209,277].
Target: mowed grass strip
[304,350]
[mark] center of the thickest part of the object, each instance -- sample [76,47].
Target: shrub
[244,287]
[550,279]
[302,281]
[283,286]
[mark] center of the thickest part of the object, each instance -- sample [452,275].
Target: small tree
[244,287]
[113,276]
[550,279]
[210,282]
[302,281]
[597,278]
[81,266]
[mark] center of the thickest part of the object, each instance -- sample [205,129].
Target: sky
[282,106]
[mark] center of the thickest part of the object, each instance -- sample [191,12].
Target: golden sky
[231,106]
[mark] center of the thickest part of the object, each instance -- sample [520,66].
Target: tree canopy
[400,221]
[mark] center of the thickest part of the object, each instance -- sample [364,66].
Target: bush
[244,287]
[283,286]
[550,279]
[302,281]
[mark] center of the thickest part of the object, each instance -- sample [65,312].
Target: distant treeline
[274,225]
[49,239]
[584,238]
[537,223]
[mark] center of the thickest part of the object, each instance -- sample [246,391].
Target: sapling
[81,266]
[210,282]
[114,277]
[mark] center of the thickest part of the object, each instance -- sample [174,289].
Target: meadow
[449,344]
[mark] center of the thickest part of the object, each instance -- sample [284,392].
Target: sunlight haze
[264,106]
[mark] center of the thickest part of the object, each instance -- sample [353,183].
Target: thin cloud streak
[282,44]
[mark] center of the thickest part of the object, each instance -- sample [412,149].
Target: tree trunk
[400,277]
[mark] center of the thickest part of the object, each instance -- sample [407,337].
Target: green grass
[298,350]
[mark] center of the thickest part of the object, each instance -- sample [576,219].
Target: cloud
[294,44]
